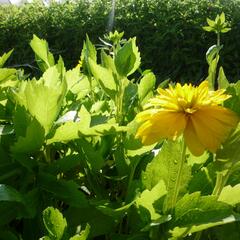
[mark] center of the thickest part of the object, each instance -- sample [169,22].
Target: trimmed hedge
[169,32]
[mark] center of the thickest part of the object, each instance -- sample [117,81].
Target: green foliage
[169,33]
[69,154]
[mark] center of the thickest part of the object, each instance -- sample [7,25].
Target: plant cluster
[71,166]
[169,32]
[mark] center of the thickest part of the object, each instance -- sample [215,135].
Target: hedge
[169,32]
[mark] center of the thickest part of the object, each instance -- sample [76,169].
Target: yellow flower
[191,111]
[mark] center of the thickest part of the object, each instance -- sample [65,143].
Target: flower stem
[218,39]
[179,175]
[220,183]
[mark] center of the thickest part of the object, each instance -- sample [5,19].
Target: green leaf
[9,194]
[5,57]
[67,191]
[234,102]
[229,154]
[195,213]
[230,195]
[83,235]
[93,157]
[105,78]
[222,17]
[109,210]
[64,164]
[108,62]
[43,98]
[222,80]
[54,222]
[210,22]
[133,146]
[43,57]
[73,77]
[7,74]
[74,130]
[127,59]
[51,78]
[203,180]
[212,53]
[147,199]
[191,159]
[146,86]
[32,140]
[100,223]
[225,30]
[166,166]
[67,132]
[88,51]
[208,29]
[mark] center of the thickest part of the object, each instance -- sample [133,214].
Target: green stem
[119,102]
[91,88]
[220,183]
[179,176]
[218,39]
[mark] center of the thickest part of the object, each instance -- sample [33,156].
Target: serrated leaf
[93,157]
[54,222]
[69,131]
[233,102]
[230,195]
[42,101]
[229,153]
[203,180]
[64,164]
[133,146]
[51,78]
[67,191]
[7,74]
[147,199]
[195,213]
[166,166]
[73,77]
[179,232]
[127,59]
[5,57]
[146,85]
[43,56]
[108,62]
[191,159]
[32,140]
[105,78]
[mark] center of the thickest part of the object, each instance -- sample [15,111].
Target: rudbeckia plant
[194,112]
[96,153]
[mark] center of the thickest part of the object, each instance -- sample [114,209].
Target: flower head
[192,111]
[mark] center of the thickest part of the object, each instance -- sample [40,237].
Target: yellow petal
[163,124]
[212,125]
[192,141]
